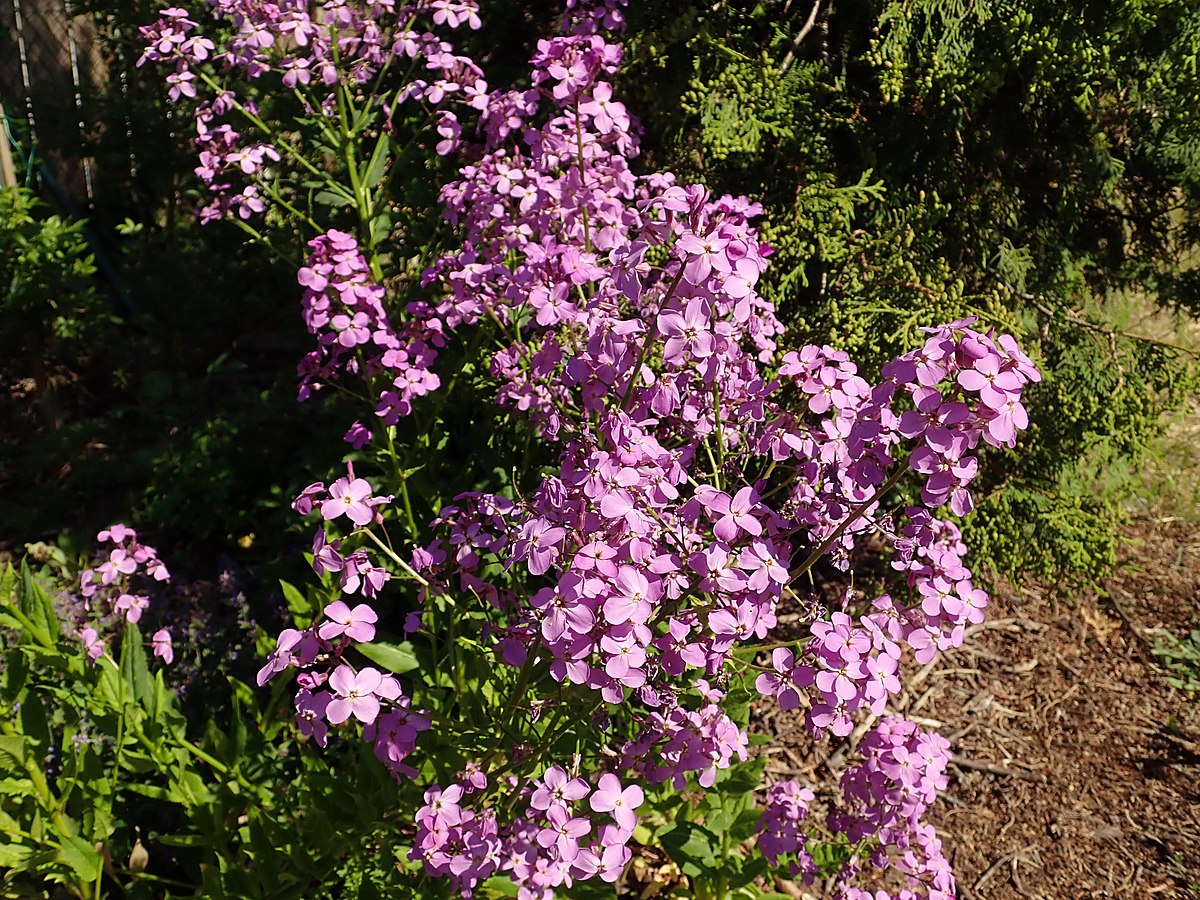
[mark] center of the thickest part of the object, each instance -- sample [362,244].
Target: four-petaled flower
[161,641]
[609,797]
[349,497]
[356,695]
[358,623]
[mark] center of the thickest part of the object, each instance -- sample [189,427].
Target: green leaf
[15,787]
[186,840]
[695,849]
[16,671]
[12,753]
[189,789]
[374,171]
[14,856]
[35,604]
[298,605]
[134,668]
[395,658]
[8,578]
[830,857]
[499,886]
[34,723]
[154,792]
[745,825]
[329,198]
[381,227]
[747,873]
[80,856]
[237,735]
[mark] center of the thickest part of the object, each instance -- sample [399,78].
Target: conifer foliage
[1035,164]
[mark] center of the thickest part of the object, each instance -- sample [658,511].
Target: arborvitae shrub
[1033,165]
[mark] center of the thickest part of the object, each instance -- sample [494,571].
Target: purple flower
[358,623]
[161,641]
[311,715]
[349,497]
[92,643]
[281,657]
[303,504]
[558,790]
[355,695]
[609,797]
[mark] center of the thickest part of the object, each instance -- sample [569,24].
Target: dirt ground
[1080,768]
[1077,769]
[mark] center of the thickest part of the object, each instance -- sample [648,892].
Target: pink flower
[117,534]
[539,544]
[310,715]
[92,643]
[348,497]
[558,790]
[118,563]
[281,657]
[132,606]
[358,624]
[608,797]
[632,600]
[703,255]
[355,695]
[161,641]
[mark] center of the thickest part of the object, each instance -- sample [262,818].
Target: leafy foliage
[97,759]
[1181,658]
[921,161]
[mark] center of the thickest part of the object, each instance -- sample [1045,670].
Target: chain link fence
[50,64]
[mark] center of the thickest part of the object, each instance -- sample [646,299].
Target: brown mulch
[1077,769]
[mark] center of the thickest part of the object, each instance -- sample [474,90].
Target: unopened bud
[139,857]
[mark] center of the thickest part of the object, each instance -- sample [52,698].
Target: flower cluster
[313,49]
[656,548]
[556,841]
[343,307]
[701,471]
[884,799]
[106,591]
[331,690]
[594,16]
[886,795]
[780,828]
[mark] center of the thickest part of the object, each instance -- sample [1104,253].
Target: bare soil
[1077,768]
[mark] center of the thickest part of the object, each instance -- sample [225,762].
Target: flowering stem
[717,436]
[262,126]
[398,560]
[587,237]
[402,477]
[651,332]
[522,684]
[117,748]
[858,511]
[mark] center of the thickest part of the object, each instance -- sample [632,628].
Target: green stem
[120,711]
[261,239]
[398,560]
[587,236]
[651,331]
[821,548]
[276,139]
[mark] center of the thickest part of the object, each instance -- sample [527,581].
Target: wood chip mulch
[1077,768]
